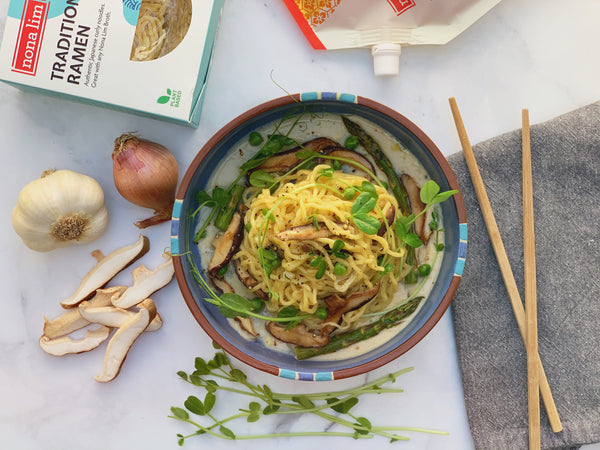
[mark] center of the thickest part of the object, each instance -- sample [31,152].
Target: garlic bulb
[59,209]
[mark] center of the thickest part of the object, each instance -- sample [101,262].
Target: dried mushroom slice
[114,317]
[123,339]
[145,282]
[72,319]
[106,269]
[66,345]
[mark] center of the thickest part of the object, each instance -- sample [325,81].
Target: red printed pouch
[384,26]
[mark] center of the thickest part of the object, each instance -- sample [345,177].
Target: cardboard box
[81,50]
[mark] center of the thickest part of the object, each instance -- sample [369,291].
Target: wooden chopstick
[502,258]
[533,386]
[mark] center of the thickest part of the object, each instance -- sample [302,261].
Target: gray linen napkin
[566,184]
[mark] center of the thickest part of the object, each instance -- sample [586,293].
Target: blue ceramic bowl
[254,353]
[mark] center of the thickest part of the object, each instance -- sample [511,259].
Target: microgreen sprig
[336,407]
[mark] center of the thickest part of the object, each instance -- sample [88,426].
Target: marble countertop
[538,54]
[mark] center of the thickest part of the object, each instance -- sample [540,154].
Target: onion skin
[146,174]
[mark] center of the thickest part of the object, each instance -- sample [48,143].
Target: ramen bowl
[190,259]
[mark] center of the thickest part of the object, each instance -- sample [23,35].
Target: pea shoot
[218,375]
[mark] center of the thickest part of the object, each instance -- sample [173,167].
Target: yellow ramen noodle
[305,199]
[161,26]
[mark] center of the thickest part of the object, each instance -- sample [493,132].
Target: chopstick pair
[537,383]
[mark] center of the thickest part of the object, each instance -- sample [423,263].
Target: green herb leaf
[261,179]
[182,375]
[338,244]
[342,407]
[364,423]
[402,229]
[237,375]
[209,401]
[337,251]
[180,413]
[287,312]
[269,259]
[236,303]
[326,172]
[253,417]
[363,204]
[226,432]
[306,154]
[315,221]
[195,405]
[443,196]
[196,379]
[201,366]
[366,223]
[370,189]
[270,409]
[254,406]
[429,191]
[319,263]
[221,197]
[413,240]
[204,199]
[303,401]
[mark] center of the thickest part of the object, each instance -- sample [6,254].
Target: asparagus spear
[226,214]
[373,148]
[340,341]
[385,165]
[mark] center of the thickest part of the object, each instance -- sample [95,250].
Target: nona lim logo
[172,97]
[30,37]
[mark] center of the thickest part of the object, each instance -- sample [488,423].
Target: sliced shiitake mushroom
[390,216]
[123,339]
[106,269]
[246,324]
[284,161]
[72,319]
[338,306]
[299,335]
[67,345]
[309,231]
[226,245]
[248,280]
[145,282]
[417,206]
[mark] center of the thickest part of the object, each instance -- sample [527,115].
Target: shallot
[145,173]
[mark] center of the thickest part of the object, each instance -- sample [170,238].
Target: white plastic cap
[386,59]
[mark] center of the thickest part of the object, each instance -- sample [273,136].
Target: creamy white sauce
[331,126]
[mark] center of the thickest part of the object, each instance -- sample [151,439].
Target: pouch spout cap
[386,59]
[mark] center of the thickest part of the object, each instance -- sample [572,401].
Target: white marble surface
[539,54]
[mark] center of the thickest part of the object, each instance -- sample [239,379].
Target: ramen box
[147,57]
